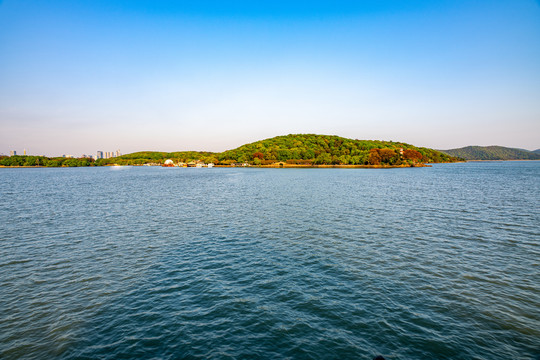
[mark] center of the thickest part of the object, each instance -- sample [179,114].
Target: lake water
[233,263]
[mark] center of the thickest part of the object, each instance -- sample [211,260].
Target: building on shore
[13,153]
[108,154]
[168,163]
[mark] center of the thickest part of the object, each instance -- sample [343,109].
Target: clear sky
[82,76]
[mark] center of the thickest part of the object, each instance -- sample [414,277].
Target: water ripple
[158,263]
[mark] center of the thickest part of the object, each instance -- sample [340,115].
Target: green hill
[328,149]
[537,151]
[492,153]
[302,149]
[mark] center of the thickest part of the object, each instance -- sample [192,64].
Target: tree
[324,158]
[374,157]
[411,154]
[258,155]
[388,156]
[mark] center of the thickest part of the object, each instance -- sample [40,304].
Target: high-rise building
[24,152]
[108,154]
[12,153]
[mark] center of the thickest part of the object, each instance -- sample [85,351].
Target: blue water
[227,263]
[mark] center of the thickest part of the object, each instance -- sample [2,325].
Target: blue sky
[81,76]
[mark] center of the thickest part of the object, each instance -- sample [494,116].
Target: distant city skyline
[141,75]
[97,154]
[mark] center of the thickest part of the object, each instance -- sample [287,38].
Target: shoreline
[272,166]
[300,166]
[502,160]
[278,165]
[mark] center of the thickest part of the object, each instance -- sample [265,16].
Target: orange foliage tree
[411,154]
[258,155]
[385,156]
[374,157]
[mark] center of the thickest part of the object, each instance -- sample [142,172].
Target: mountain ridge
[493,152]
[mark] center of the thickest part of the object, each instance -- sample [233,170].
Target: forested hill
[303,149]
[492,153]
[330,149]
[300,149]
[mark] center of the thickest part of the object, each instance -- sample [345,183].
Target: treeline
[25,160]
[157,157]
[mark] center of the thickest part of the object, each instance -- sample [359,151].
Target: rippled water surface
[172,263]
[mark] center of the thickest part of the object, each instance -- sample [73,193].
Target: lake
[246,263]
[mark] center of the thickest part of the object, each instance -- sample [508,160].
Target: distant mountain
[493,153]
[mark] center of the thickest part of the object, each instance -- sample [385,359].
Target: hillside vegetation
[492,153]
[329,149]
[303,149]
[148,157]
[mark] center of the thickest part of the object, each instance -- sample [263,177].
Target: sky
[81,76]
